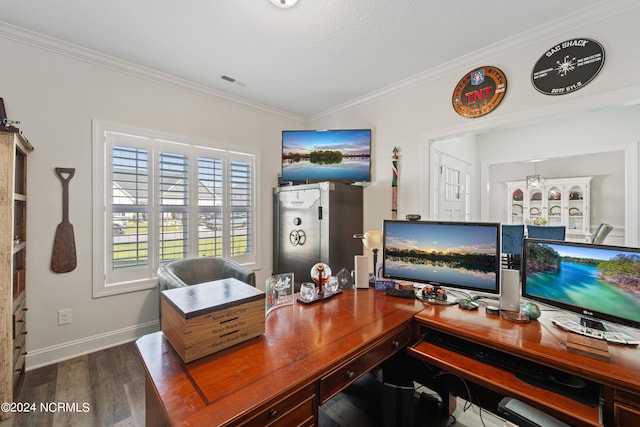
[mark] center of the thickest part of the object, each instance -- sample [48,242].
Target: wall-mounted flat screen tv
[342,155]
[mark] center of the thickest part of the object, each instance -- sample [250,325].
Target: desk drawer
[625,415]
[626,409]
[347,373]
[298,409]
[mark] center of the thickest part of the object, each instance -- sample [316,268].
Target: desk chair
[512,236]
[601,232]
[191,271]
[549,232]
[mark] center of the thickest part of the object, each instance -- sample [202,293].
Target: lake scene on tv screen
[343,155]
[602,280]
[449,254]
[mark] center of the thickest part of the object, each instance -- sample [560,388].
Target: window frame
[107,281]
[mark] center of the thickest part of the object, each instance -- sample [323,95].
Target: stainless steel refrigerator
[316,223]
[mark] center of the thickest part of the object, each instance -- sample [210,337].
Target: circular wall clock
[568,66]
[479,92]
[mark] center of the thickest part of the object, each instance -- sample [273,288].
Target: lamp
[536,180]
[284,4]
[372,240]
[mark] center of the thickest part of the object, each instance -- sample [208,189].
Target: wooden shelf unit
[14,150]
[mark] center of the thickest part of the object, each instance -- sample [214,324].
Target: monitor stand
[438,296]
[578,328]
[592,324]
[594,329]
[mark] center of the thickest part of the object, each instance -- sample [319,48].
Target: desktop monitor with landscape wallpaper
[460,255]
[595,281]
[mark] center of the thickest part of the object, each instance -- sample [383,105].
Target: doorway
[452,188]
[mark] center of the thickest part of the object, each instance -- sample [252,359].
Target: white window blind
[241,195]
[159,200]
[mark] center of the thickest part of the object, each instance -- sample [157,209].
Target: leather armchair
[186,272]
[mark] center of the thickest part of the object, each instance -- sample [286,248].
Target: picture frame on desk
[279,290]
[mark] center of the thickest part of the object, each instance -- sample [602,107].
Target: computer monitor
[455,255]
[599,283]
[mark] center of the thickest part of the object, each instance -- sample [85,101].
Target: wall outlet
[64,316]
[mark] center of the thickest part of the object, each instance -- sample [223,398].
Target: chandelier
[536,180]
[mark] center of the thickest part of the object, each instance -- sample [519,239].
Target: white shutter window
[173,205]
[158,200]
[241,206]
[210,203]
[126,208]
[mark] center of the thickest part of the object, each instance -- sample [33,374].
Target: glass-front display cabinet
[562,201]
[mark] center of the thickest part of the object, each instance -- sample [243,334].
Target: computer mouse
[467,304]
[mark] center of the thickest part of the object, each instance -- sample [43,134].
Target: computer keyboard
[576,388]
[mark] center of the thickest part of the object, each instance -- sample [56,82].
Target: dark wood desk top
[301,343]
[540,341]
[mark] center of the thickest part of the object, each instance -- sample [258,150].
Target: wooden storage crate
[201,319]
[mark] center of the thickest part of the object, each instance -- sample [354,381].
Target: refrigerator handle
[320,212]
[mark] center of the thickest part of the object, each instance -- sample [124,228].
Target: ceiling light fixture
[284,4]
[536,180]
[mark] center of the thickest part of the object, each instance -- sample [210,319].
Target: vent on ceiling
[232,80]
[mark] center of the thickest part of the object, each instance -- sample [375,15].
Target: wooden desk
[307,355]
[544,343]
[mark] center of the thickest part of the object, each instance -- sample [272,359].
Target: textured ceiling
[311,58]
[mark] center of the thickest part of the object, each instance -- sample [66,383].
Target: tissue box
[202,319]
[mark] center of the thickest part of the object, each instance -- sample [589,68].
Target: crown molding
[50,44]
[480,57]
[575,21]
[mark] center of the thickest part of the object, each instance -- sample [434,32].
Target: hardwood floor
[106,388]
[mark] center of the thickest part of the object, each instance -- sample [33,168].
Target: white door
[453,189]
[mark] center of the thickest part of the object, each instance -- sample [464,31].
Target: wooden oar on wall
[63,257]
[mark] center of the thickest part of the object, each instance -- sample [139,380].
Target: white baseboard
[57,353]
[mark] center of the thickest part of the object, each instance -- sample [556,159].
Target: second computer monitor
[463,255]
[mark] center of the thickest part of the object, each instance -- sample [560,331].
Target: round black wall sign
[568,66]
[479,92]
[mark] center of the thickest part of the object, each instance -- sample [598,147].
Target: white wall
[56,97]
[414,115]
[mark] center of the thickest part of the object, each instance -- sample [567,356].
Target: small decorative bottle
[320,273]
